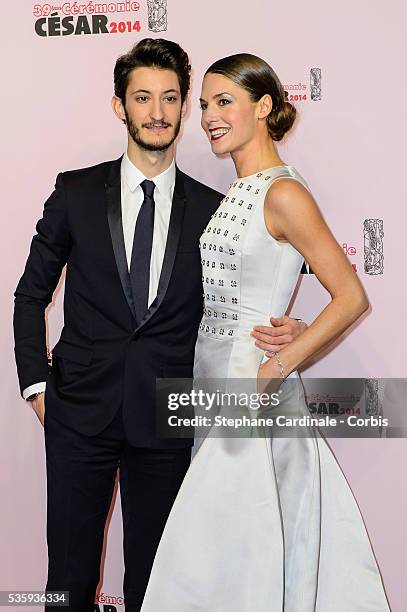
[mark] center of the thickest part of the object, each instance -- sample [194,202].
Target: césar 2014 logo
[90,18]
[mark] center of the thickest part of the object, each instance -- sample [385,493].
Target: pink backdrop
[349,146]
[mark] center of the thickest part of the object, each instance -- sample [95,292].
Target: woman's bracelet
[280,365]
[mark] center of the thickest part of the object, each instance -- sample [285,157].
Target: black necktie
[141,253]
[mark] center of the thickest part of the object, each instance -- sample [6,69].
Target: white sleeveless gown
[258,525]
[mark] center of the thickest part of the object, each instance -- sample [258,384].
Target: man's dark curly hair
[153,53]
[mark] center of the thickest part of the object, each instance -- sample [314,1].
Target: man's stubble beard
[147,146]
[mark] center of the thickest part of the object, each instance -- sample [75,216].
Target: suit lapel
[114,216]
[174,233]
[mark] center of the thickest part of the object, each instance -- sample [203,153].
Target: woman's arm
[291,214]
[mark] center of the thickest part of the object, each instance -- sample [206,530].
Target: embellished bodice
[247,274]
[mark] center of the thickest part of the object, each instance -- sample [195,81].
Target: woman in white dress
[264,524]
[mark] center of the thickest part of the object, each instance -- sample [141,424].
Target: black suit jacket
[103,359]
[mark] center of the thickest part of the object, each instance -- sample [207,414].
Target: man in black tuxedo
[128,231]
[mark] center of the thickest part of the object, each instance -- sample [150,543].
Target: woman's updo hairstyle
[258,79]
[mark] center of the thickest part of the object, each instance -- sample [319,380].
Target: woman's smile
[218,133]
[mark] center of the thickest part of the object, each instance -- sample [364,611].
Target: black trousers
[81,473]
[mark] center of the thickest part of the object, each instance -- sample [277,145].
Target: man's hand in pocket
[38,405]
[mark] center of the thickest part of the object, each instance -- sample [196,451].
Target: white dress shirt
[132,197]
